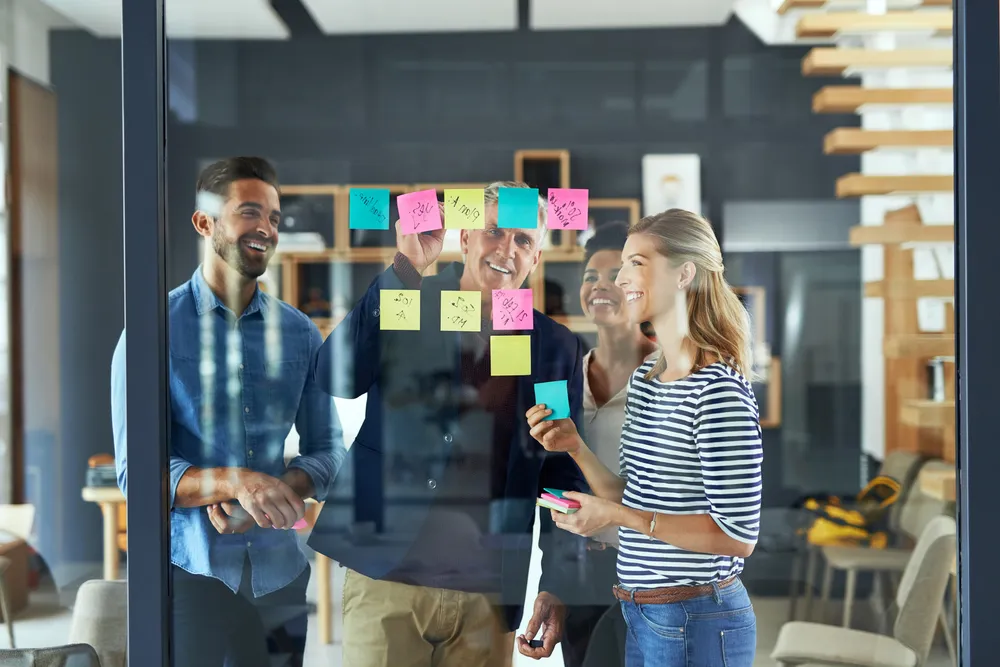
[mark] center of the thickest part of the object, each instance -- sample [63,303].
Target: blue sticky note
[553,395]
[369,208]
[518,208]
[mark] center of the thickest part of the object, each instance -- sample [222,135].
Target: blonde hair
[718,324]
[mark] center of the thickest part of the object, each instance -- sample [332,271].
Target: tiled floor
[47,620]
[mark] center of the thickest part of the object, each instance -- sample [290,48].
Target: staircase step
[854,140]
[832,61]
[859,185]
[789,5]
[897,234]
[910,289]
[848,99]
[813,26]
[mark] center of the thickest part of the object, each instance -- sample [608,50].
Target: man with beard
[441,582]
[240,376]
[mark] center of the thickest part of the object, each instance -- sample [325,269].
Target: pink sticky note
[568,208]
[419,212]
[512,310]
[298,525]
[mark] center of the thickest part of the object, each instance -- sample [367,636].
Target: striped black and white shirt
[692,446]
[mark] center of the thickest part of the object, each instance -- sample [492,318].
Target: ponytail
[717,323]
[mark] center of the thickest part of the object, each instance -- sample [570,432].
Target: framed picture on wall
[601,211]
[671,181]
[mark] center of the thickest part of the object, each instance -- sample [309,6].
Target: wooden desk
[109,498]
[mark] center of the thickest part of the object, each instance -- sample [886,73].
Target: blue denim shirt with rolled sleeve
[237,386]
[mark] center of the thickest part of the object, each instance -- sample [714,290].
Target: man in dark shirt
[444,467]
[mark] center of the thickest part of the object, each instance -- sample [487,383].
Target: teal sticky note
[554,396]
[517,208]
[369,208]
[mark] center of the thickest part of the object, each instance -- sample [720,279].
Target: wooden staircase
[814,26]
[790,5]
[850,99]
[830,61]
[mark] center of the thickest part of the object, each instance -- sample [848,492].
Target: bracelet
[652,525]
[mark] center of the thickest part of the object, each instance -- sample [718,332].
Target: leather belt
[670,593]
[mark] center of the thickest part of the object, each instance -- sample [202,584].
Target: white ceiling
[597,14]
[341,17]
[185,19]
[255,19]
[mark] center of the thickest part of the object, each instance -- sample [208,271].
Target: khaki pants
[396,625]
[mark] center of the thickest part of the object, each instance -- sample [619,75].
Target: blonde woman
[687,506]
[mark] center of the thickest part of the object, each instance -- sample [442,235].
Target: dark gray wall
[411,108]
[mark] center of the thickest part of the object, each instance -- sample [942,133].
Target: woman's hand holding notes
[555,435]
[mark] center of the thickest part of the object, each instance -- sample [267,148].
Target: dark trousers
[214,627]
[594,634]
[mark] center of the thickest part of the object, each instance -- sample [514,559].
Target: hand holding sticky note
[513,310]
[464,209]
[369,208]
[568,208]
[555,397]
[461,311]
[399,310]
[517,208]
[419,212]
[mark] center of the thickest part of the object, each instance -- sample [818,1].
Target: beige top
[603,431]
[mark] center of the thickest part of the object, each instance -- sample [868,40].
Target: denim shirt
[237,385]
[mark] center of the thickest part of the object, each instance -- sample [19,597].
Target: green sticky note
[555,397]
[461,311]
[518,208]
[399,310]
[510,355]
[369,208]
[464,209]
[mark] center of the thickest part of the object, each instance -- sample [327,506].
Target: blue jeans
[716,630]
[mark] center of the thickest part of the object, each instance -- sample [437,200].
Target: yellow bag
[836,525]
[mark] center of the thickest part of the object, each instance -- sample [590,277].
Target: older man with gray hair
[444,467]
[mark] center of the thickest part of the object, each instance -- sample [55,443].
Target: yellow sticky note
[510,355]
[399,310]
[464,209]
[461,311]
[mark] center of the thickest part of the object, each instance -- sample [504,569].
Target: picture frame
[671,181]
[601,211]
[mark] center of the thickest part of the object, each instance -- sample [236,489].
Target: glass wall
[391,234]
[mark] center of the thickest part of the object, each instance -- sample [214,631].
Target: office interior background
[815,136]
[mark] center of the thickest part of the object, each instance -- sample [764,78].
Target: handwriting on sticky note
[517,208]
[399,310]
[555,397]
[512,310]
[461,311]
[464,209]
[419,212]
[568,208]
[369,208]
[510,355]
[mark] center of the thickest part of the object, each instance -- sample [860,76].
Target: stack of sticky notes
[554,500]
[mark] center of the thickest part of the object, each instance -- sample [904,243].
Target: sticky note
[399,310]
[461,311]
[512,310]
[369,208]
[568,208]
[518,208]
[464,209]
[510,355]
[553,396]
[419,212]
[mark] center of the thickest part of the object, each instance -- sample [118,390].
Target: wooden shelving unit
[854,140]
[849,99]
[928,414]
[938,483]
[925,346]
[860,185]
[789,5]
[827,61]
[899,234]
[908,288]
[831,24]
